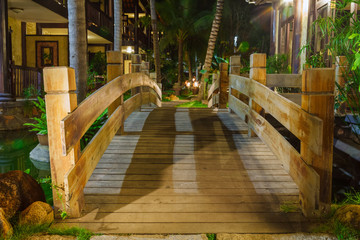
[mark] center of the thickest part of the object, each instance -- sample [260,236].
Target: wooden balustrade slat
[213,88]
[283,80]
[305,177]
[78,176]
[306,127]
[75,125]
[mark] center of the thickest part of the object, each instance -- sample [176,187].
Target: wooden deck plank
[188,171]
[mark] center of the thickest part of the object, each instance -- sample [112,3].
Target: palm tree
[78,45]
[181,19]
[155,40]
[118,25]
[211,46]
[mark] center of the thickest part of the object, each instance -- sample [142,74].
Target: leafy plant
[342,33]
[211,236]
[193,104]
[40,124]
[91,132]
[288,207]
[278,63]
[314,60]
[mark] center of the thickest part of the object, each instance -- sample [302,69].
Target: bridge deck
[188,171]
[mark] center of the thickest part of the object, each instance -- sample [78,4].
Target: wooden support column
[4,57]
[135,68]
[115,69]
[136,34]
[257,73]
[224,85]
[318,85]
[341,66]
[61,99]
[235,67]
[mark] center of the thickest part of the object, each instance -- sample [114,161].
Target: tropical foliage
[40,124]
[344,40]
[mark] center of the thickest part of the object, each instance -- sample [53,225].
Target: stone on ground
[37,213]
[6,229]
[349,215]
[17,191]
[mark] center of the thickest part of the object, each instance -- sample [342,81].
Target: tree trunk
[155,41]
[78,45]
[180,60]
[118,25]
[211,46]
[188,59]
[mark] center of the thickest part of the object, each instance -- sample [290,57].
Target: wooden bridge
[174,170]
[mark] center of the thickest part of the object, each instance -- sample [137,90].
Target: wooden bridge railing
[67,123]
[288,81]
[311,123]
[218,91]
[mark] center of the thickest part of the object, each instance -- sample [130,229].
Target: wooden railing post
[223,85]
[60,86]
[341,66]
[135,68]
[235,65]
[257,73]
[318,86]
[114,70]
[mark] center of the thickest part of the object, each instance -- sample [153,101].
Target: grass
[288,207]
[193,104]
[211,236]
[23,232]
[333,226]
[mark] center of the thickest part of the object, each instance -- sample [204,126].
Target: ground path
[188,171]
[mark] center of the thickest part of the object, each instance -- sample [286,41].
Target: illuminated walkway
[189,171]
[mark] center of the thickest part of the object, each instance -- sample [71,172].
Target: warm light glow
[193,79]
[287,1]
[129,49]
[196,84]
[187,84]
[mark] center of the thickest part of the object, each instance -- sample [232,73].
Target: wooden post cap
[113,57]
[59,79]
[235,61]
[325,80]
[258,60]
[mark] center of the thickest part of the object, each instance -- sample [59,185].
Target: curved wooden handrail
[306,127]
[75,125]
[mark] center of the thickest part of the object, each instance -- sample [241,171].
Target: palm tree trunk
[155,41]
[180,59]
[188,59]
[118,25]
[78,45]
[211,46]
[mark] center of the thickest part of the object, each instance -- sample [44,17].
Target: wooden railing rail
[218,91]
[288,81]
[311,129]
[67,123]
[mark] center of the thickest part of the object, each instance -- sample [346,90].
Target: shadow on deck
[189,171]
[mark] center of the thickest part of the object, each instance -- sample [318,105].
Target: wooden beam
[224,85]
[79,175]
[74,126]
[304,176]
[60,86]
[303,125]
[318,99]
[257,73]
[283,80]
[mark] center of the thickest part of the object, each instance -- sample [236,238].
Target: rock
[36,214]
[40,157]
[6,229]
[349,215]
[17,191]
[174,98]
